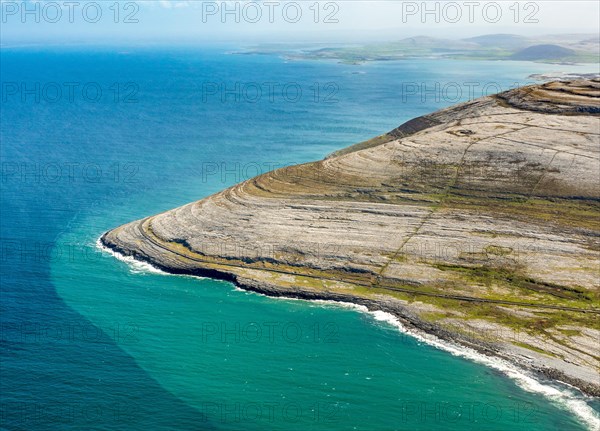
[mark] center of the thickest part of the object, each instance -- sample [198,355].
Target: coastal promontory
[479,223]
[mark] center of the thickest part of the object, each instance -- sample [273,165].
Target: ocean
[93,138]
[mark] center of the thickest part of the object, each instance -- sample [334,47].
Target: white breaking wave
[561,397]
[136,266]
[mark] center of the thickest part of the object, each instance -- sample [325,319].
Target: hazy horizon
[348,21]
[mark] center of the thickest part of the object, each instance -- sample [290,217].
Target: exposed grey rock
[485,213]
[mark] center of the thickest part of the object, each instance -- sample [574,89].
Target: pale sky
[203,22]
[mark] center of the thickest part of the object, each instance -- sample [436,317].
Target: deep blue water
[88,342]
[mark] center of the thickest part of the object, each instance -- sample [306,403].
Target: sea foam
[136,266]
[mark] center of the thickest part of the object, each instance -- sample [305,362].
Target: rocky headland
[479,223]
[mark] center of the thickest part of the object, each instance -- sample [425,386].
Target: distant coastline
[553,49]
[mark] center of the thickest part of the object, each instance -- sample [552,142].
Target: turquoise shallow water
[90,342]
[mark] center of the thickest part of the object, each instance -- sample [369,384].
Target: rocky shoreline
[477,219]
[409,319]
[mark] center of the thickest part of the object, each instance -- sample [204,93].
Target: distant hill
[506,41]
[543,52]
